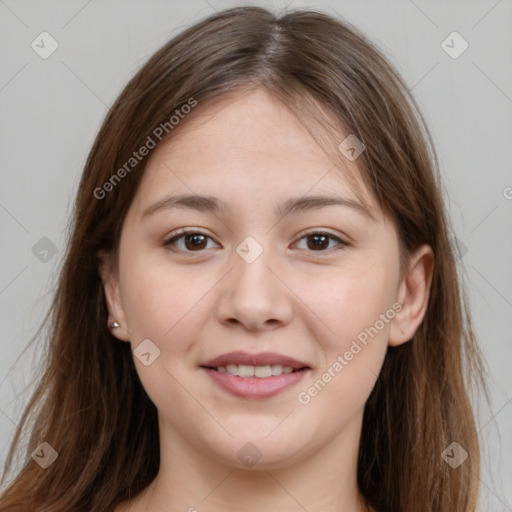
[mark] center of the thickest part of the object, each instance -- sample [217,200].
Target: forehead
[248,146]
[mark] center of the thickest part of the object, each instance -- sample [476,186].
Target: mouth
[255,375]
[260,372]
[262,365]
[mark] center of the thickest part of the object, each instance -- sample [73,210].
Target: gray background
[52,109]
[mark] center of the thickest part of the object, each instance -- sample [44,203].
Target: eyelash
[182,233]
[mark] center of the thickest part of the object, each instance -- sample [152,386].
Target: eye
[193,241]
[318,241]
[196,241]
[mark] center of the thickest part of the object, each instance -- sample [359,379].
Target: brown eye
[195,241]
[191,241]
[318,241]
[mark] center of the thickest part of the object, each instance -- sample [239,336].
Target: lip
[260,359]
[255,387]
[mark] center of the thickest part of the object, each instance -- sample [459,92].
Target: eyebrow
[206,203]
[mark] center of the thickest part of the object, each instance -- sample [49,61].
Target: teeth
[277,369]
[232,369]
[262,371]
[244,370]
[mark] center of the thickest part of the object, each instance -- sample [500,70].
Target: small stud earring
[113,325]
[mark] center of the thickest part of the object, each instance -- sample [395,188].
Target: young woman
[259,306]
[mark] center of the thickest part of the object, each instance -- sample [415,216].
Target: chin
[255,449]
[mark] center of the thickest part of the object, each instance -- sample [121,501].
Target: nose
[254,295]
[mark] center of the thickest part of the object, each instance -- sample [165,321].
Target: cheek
[157,298]
[163,306]
[355,303]
[357,310]
[351,300]
[170,307]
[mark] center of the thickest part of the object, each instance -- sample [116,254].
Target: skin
[299,298]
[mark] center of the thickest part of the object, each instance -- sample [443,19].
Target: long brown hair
[89,404]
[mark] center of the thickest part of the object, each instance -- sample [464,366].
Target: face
[313,287]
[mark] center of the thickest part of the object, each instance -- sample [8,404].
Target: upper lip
[260,359]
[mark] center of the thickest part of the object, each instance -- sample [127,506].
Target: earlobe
[112,295]
[413,295]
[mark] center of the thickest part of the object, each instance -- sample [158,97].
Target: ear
[109,277]
[413,294]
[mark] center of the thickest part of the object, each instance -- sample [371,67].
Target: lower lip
[255,387]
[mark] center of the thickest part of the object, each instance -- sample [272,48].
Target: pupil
[196,243]
[322,246]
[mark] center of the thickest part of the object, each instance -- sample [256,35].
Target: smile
[254,387]
[261,372]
